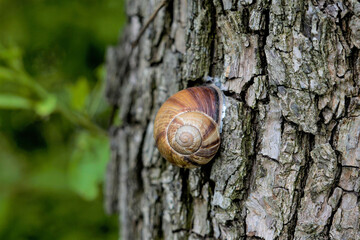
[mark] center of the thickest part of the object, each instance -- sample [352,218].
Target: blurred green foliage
[53,116]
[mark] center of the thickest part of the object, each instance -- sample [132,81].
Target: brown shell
[187,126]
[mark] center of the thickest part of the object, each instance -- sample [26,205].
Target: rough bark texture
[288,166]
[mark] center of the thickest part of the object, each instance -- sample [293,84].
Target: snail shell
[187,126]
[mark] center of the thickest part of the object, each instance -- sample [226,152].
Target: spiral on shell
[187,126]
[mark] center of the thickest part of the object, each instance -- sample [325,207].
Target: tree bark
[288,165]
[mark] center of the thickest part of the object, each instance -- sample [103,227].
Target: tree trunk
[288,165]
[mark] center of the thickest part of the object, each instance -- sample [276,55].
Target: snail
[187,126]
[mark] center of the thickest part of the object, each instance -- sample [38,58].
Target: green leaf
[47,106]
[88,164]
[48,177]
[9,101]
[12,56]
[79,93]
[97,105]
[6,74]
